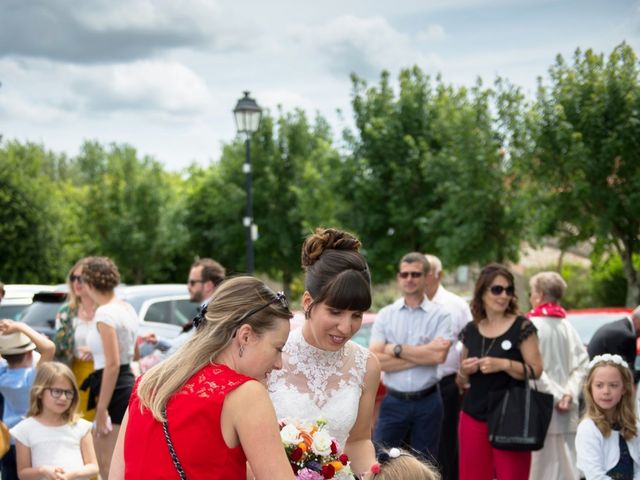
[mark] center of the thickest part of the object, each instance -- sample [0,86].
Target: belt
[413,395]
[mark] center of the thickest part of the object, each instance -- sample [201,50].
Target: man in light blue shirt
[411,337]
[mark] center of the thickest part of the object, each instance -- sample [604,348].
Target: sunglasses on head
[410,274]
[498,289]
[75,278]
[279,297]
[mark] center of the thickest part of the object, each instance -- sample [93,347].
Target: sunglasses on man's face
[75,278]
[498,289]
[193,282]
[410,274]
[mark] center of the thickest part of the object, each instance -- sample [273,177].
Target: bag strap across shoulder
[172,451]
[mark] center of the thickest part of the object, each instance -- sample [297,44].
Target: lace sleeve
[527,329]
[466,332]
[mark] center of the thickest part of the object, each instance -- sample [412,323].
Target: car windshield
[11,311]
[40,314]
[587,324]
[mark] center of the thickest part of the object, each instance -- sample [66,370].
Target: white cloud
[148,85]
[17,108]
[433,33]
[361,45]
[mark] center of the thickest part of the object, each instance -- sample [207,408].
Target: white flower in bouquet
[321,443]
[290,435]
[344,473]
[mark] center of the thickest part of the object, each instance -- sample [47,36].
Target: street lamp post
[247,115]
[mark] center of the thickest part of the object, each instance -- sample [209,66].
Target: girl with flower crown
[607,440]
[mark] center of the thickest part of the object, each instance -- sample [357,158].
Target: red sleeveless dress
[193,415]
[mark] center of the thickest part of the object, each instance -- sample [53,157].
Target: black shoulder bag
[518,418]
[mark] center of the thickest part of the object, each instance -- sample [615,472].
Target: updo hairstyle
[101,273]
[336,273]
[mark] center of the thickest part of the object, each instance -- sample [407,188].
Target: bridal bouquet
[313,453]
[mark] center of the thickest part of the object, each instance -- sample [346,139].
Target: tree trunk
[286,284]
[633,281]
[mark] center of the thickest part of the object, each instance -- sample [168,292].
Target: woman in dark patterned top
[497,344]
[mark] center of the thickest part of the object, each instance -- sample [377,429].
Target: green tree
[427,173]
[31,214]
[585,167]
[131,210]
[295,173]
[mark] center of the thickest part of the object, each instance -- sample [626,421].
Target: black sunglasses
[75,278]
[498,289]
[193,282]
[410,274]
[279,297]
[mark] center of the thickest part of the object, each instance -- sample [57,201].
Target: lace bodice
[314,384]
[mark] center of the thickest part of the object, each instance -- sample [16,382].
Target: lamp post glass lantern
[247,116]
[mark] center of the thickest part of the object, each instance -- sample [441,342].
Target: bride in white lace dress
[324,374]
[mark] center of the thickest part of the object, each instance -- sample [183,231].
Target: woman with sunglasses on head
[324,374]
[73,321]
[203,412]
[497,345]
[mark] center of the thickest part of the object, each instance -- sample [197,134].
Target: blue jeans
[418,421]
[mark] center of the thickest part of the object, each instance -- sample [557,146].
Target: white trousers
[556,460]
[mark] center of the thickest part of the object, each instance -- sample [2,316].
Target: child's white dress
[56,446]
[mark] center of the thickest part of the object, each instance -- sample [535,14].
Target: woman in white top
[324,374]
[112,343]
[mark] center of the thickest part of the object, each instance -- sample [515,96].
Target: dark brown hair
[487,276]
[212,271]
[416,257]
[101,273]
[336,273]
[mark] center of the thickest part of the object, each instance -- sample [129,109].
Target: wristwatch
[397,350]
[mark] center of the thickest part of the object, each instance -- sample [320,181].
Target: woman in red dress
[203,412]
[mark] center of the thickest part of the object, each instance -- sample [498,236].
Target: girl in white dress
[607,440]
[52,443]
[324,374]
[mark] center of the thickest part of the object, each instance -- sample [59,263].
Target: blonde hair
[73,300]
[227,311]
[405,467]
[624,413]
[46,375]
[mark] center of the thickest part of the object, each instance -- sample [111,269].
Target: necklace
[483,352]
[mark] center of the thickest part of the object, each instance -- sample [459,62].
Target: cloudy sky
[164,75]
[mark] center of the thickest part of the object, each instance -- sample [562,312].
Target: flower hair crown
[607,357]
